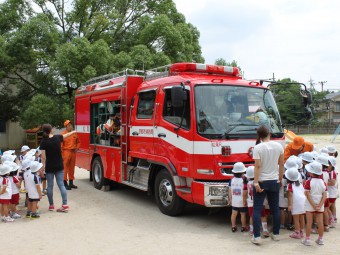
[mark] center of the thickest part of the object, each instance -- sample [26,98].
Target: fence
[309,129]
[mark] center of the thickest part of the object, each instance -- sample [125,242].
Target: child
[24,150]
[296,201]
[5,193]
[25,166]
[236,197]
[307,157]
[323,160]
[33,186]
[15,185]
[316,193]
[283,198]
[248,196]
[333,190]
[43,179]
[332,151]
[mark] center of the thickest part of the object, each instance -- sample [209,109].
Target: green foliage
[290,102]
[43,109]
[52,47]
[223,62]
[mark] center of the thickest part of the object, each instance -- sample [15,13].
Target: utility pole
[311,84]
[322,83]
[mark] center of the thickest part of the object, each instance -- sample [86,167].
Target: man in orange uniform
[69,147]
[297,147]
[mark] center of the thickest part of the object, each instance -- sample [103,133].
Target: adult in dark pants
[52,160]
[267,181]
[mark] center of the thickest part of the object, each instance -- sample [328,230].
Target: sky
[297,39]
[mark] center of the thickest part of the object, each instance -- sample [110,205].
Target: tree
[289,102]
[43,109]
[223,62]
[52,47]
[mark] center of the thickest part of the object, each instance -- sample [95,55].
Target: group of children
[307,196]
[14,172]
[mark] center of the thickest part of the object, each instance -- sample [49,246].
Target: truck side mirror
[178,97]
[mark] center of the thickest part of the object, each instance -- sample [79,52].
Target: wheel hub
[165,192]
[97,173]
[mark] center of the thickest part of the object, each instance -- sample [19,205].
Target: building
[12,136]
[329,110]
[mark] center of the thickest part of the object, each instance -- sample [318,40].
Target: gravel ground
[127,221]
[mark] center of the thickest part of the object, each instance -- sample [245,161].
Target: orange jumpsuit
[289,151]
[68,148]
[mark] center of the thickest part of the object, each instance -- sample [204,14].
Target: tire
[98,174]
[166,197]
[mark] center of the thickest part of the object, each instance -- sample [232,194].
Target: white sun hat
[292,174]
[29,156]
[331,149]
[4,169]
[31,152]
[250,172]
[324,150]
[298,161]
[25,148]
[315,154]
[290,163]
[9,152]
[26,163]
[8,158]
[239,168]
[314,168]
[323,160]
[332,160]
[35,166]
[307,156]
[12,165]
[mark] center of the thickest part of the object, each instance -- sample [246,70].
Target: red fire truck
[174,131]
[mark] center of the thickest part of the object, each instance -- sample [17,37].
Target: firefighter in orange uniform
[298,146]
[69,147]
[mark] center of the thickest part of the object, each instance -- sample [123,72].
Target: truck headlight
[218,191]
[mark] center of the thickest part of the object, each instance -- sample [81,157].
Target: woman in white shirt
[267,181]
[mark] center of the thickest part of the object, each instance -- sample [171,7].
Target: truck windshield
[230,112]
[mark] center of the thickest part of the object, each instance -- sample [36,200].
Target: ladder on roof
[336,133]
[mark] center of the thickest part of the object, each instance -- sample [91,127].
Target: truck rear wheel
[166,197]
[98,174]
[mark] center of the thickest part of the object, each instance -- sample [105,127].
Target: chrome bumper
[216,194]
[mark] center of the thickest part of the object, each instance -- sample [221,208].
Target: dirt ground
[127,221]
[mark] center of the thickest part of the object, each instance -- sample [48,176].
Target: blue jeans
[59,176]
[271,190]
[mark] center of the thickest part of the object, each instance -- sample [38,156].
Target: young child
[332,151]
[323,160]
[24,150]
[33,186]
[248,196]
[236,191]
[43,179]
[283,197]
[307,157]
[5,192]
[333,190]
[25,166]
[296,201]
[15,185]
[316,194]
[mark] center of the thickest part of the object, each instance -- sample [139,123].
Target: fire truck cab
[174,131]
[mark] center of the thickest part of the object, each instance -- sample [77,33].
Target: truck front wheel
[98,174]
[166,197]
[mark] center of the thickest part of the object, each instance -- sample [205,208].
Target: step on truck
[174,131]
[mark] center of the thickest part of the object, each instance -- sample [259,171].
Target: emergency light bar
[203,68]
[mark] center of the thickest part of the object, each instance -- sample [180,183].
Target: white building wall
[14,137]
